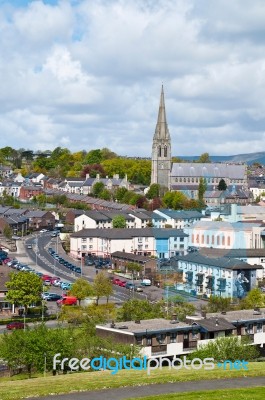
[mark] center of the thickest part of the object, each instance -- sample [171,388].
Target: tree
[120,193]
[202,189]
[93,170]
[133,268]
[254,298]
[81,289]
[94,157]
[227,348]
[102,286]
[97,188]
[204,158]
[217,303]
[24,289]
[7,231]
[119,221]
[105,194]
[154,191]
[222,185]
[135,309]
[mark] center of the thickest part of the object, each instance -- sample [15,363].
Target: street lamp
[24,317]
[36,250]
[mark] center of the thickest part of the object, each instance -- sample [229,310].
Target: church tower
[161,151]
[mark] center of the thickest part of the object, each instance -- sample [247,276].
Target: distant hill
[249,158]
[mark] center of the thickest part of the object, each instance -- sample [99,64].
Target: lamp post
[45,364]
[24,317]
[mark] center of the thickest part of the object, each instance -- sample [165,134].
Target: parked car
[122,283]
[66,286]
[53,297]
[43,230]
[67,300]
[47,282]
[146,282]
[116,281]
[15,325]
[138,289]
[130,285]
[29,246]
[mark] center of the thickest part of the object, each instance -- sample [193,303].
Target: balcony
[159,350]
[190,345]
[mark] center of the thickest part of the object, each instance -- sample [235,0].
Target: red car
[15,325]
[116,281]
[46,278]
[122,283]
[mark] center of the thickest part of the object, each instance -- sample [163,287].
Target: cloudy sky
[86,74]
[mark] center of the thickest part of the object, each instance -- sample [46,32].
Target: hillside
[249,158]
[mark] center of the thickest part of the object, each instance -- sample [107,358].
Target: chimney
[203,314]
[112,325]
[137,321]
[87,176]
[97,176]
[216,322]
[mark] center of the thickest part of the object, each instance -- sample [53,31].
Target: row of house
[170,338]
[138,218]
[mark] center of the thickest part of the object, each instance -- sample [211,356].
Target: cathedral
[186,176]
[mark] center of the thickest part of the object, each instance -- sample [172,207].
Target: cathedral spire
[162,131]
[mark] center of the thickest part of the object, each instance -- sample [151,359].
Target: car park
[15,325]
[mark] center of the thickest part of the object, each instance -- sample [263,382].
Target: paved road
[148,390]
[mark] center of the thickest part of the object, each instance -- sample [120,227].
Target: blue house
[170,242]
[222,277]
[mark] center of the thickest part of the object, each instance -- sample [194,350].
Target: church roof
[216,170]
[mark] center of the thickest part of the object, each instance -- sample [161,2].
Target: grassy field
[238,394]
[15,389]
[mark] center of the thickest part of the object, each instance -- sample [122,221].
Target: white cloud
[88,74]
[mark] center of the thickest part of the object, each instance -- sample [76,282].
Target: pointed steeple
[161,131]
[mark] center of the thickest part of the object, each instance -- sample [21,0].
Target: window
[208,239]
[173,337]
[259,327]
[165,151]
[249,329]
[159,151]
[139,340]
[212,239]
[148,341]
[162,338]
[223,240]
[83,240]
[90,247]
[228,241]
[218,240]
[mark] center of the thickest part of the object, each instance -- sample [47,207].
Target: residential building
[119,260]
[41,219]
[220,276]
[146,242]
[177,219]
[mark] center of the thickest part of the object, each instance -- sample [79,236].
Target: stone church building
[185,177]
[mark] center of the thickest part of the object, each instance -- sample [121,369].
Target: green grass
[14,389]
[231,394]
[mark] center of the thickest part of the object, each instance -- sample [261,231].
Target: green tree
[81,289]
[134,268]
[222,185]
[202,189]
[119,221]
[254,298]
[41,200]
[102,286]
[227,348]
[154,191]
[135,309]
[97,188]
[94,157]
[24,289]
[120,193]
[105,194]
[204,158]
[217,303]
[7,231]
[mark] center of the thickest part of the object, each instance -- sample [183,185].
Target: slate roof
[221,262]
[232,253]
[179,214]
[216,324]
[119,233]
[240,315]
[217,170]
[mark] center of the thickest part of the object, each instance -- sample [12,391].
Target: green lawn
[231,394]
[14,389]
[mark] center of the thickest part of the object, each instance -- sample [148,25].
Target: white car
[43,230]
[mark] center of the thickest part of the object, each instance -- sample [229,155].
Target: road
[135,392]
